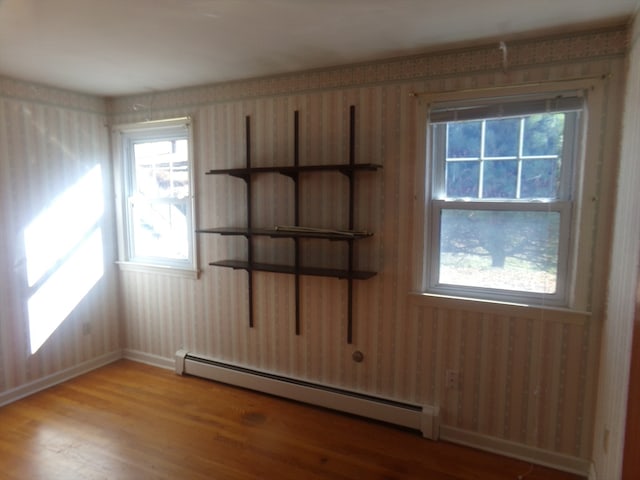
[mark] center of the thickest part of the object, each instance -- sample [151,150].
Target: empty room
[246,239]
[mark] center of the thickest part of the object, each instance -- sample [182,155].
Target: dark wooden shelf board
[291,170]
[291,270]
[266,232]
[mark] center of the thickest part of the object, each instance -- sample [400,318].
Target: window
[502,197]
[157,194]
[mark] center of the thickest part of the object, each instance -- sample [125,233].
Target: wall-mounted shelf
[292,170]
[283,233]
[297,232]
[292,270]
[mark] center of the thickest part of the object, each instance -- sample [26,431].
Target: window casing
[501,183]
[156,195]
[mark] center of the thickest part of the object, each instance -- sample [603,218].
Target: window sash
[438,134]
[133,239]
[558,298]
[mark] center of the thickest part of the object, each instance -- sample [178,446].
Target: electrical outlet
[452,379]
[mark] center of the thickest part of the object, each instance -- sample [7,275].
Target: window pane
[500,179]
[161,169]
[502,137]
[160,229]
[463,139]
[463,179]
[500,250]
[543,134]
[540,178]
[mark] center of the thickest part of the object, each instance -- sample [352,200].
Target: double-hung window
[157,194]
[501,182]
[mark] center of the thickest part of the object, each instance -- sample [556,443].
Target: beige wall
[527,377]
[618,326]
[48,140]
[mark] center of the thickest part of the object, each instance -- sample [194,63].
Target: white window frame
[125,136]
[567,204]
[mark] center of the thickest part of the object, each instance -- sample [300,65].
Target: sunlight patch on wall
[64,252]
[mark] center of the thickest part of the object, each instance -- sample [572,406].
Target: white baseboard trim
[43,383]
[566,463]
[149,359]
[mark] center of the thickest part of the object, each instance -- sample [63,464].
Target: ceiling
[120,47]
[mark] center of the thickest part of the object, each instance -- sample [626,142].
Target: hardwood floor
[133,421]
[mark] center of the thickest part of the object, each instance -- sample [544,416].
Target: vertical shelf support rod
[247,178]
[296,240]
[352,161]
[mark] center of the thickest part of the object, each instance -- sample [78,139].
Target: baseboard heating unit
[418,417]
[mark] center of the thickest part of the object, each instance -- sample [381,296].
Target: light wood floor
[133,421]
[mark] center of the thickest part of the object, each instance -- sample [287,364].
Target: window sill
[533,312]
[159,270]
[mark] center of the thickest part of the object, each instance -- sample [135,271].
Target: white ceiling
[119,47]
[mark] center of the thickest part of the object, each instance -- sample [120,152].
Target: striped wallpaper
[618,328]
[50,139]
[527,379]
[524,379]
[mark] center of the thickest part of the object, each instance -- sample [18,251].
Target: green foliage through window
[511,158]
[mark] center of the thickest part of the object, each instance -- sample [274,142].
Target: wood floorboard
[133,421]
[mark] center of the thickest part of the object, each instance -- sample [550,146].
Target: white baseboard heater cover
[418,417]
